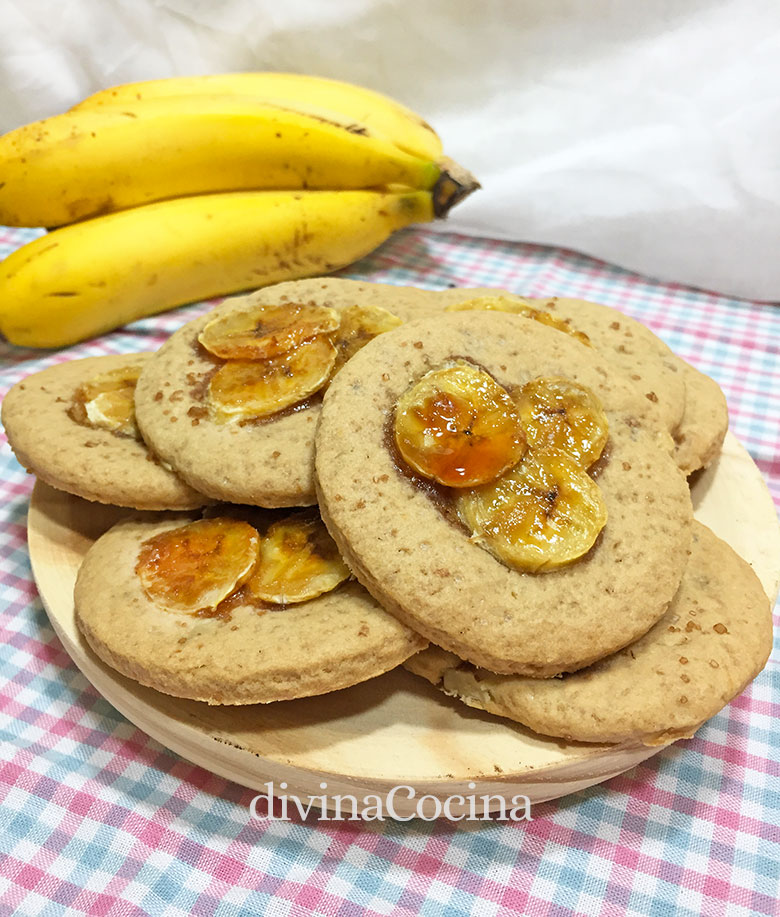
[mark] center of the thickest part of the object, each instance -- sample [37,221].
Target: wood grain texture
[395,729]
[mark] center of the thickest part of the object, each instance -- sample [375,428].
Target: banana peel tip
[453,185]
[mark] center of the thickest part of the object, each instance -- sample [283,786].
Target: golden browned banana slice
[298,561]
[520,307]
[561,414]
[543,514]
[359,324]
[246,389]
[194,567]
[106,401]
[266,331]
[459,427]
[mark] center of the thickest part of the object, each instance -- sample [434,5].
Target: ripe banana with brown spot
[88,278]
[355,107]
[88,162]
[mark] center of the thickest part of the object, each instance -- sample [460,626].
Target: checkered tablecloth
[99,819]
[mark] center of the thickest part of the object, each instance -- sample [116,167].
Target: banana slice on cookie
[276,356]
[359,325]
[298,561]
[194,567]
[266,331]
[543,514]
[106,401]
[459,427]
[519,306]
[563,415]
[249,389]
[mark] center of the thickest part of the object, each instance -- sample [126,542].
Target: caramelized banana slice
[542,515]
[245,389]
[458,426]
[564,415]
[194,567]
[520,307]
[266,331]
[106,401]
[359,324]
[298,561]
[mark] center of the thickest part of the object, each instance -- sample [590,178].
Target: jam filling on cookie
[514,470]
[519,306]
[209,566]
[272,358]
[106,402]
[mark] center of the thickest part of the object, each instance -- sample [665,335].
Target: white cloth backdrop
[643,132]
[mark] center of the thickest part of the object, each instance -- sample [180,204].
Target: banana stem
[453,185]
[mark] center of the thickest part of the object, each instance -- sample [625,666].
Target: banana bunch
[169,191]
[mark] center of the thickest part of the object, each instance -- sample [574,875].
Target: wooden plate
[393,730]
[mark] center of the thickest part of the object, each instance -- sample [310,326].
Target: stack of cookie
[340,477]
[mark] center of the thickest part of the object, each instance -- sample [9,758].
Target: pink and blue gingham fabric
[99,819]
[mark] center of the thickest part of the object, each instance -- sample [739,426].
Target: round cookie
[93,463]
[714,639]
[242,657]
[627,343]
[426,570]
[270,463]
[699,437]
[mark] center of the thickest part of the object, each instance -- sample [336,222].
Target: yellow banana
[84,279]
[350,105]
[80,164]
